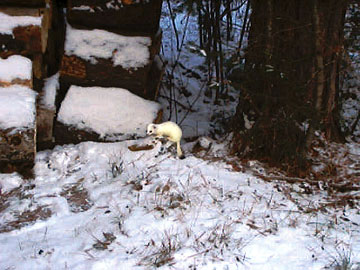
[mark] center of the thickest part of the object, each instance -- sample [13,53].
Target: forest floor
[103,206]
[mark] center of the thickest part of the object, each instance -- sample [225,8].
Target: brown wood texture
[154,78]
[45,124]
[29,40]
[27,83]
[17,150]
[26,40]
[66,134]
[124,18]
[77,71]
[24,3]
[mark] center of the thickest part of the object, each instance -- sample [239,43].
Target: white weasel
[168,130]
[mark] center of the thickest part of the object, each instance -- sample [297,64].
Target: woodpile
[26,31]
[116,61]
[126,17]
[24,3]
[113,43]
[18,71]
[34,29]
[103,114]
[17,117]
[104,44]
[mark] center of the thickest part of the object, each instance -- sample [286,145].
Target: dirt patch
[77,197]
[26,218]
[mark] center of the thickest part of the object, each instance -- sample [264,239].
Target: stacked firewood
[17,116]
[74,44]
[111,43]
[27,49]
[34,29]
[27,29]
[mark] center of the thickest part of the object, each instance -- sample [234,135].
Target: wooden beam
[24,3]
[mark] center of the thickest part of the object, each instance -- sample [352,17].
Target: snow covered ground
[102,206]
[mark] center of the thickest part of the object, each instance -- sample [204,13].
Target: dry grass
[26,218]
[75,194]
[77,197]
[21,219]
[161,253]
[104,244]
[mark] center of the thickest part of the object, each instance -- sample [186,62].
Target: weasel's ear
[154,127]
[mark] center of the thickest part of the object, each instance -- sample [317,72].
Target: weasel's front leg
[156,139]
[162,149]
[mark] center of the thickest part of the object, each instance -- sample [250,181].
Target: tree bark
[289,87]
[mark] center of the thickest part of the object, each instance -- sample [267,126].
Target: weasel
[169,130]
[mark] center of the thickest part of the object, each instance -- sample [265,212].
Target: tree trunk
[290,83]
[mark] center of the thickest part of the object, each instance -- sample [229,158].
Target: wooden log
[34,32]
[117,115]
[75,71]
[56,39]
[68,134]
[45,124]
[65,134]
[95,71]
[17,130]
[17,151]
[26,33]
[24,3]
[121,16]
[18,71]
[24,40]
[154,78]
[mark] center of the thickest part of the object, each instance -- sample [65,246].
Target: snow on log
[17,129]
[46,111]
[125,17]
[102,58]
[103,114]
[16,70]
[25,31]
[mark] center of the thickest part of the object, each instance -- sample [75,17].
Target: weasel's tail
[179,152]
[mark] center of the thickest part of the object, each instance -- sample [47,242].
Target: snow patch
[9,181]
[15,67]
[127,52]
[17,107]
[162,212]
[83,8]
[50,89]
[107,111]
[8,23]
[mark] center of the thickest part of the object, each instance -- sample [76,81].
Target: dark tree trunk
[290,84]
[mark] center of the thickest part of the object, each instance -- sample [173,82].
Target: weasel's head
[151,128]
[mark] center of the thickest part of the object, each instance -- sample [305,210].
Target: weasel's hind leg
[169,147]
